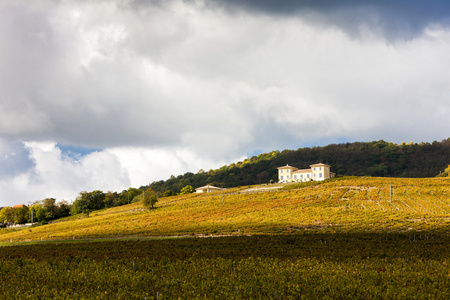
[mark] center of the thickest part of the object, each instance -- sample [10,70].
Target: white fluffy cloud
[54,173]
[165,87]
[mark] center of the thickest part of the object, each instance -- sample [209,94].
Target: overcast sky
[115,94]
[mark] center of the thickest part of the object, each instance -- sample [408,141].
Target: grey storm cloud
[174,73]
[165,87]
[395,19]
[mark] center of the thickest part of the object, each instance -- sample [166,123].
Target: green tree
[168,193]
[77,207]
[127,196]
[188,189]
[123,198]
[133,192]
[35,207]
[446,172]
[49,204]
[87,202]
[149,199]
[111,198]
[41,215]
[21,214]
[62,209]
[47,209]
[7,215]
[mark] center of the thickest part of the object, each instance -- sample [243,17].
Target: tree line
[48,209]
[44,211]
[377,159]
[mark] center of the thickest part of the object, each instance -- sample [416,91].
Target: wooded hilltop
[378,159]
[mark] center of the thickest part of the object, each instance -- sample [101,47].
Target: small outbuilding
[207,189]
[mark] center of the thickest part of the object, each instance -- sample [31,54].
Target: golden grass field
[340,205]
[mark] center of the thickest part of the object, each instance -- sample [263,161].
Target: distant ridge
[377,159]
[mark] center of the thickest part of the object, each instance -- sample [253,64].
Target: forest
[377,159]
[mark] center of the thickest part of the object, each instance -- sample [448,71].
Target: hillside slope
[378,158]
[340,205]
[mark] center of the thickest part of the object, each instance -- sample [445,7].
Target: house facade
[207,189]
[317,172]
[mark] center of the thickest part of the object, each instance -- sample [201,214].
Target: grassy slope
[348,205]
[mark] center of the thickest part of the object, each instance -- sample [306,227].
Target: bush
[149,199]
[169,193]
[188,189]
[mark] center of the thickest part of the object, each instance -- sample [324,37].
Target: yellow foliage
[336,205]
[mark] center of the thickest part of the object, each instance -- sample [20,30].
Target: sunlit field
[363,204]
[354,238]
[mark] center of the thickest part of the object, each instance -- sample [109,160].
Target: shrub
[149,199]
[188,189]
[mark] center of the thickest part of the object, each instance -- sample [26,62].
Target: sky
[107,95]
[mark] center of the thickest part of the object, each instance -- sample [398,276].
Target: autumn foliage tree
[7,215]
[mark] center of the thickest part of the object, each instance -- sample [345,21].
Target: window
[320,175]
[281,178]
[320,168]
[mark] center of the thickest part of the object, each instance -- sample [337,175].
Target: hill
[346,238]
[378,159]
[338,205]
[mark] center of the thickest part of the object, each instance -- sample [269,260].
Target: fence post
[390,192]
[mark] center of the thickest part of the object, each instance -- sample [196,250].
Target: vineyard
[308,266]
[365,204]
[345,238]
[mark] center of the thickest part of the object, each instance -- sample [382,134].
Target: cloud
[401,19]
[93,79]
[156,88]
[178,73]
[59,174]
[56,175]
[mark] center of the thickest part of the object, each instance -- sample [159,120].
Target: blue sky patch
[76,152]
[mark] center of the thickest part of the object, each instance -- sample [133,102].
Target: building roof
[287,167]
[211,187]
[19,206]
[320,165]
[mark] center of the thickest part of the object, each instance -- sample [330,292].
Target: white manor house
[317,172]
